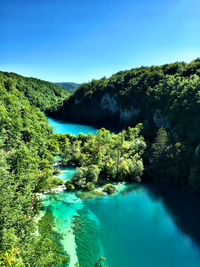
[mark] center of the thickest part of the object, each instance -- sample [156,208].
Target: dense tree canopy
[165,96]
[26,159]
[42,94]
[106,156]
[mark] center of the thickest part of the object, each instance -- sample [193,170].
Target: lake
[142,226]
[63,127]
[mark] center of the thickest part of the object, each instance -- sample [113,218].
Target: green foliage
[85,176]
[69,186]
[92,174]
[105,156]
[109,189]
[166,99]
[56,181]
[79,178]
[158,96]
[11,257]
[166,160]
[26,160]
[159,146]
[42,94]
[90,186]
[56,171]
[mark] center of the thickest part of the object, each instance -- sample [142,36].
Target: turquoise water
[143,226]
[64,206]
[66,173]
[137,231]
[73,128]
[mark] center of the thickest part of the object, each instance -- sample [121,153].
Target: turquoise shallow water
[145,226]
[64,206]
[66,173]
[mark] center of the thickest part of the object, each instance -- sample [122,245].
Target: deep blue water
[144,226]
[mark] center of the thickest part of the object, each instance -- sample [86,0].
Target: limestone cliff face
[106,109]
[194,177]
[111,104]
[128,114]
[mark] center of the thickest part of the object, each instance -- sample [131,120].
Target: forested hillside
[42,94]
[26,157]
[166,99]
[69,86]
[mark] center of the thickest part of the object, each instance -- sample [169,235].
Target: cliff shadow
[182,204]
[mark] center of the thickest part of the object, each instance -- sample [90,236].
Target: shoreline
[74,201]
[63,225]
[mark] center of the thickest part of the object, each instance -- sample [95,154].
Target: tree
[109,189]
[160,145]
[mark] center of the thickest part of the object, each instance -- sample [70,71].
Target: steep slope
[42,94]
[165,96]
[69,86]
[26,158]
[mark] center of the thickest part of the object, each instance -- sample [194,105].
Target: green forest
[153,114]
[26,158]
[102,158]
[28,149]
[42,94]
[166,99]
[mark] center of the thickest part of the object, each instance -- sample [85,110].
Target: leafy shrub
[86,175]
[90,186]
[69,186]
[109,189]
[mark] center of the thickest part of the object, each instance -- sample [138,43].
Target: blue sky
[81,40]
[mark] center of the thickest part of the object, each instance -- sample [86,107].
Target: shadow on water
[183,205]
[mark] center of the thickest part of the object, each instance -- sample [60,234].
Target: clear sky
[81,40]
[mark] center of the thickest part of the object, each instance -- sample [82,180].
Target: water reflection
[183,205]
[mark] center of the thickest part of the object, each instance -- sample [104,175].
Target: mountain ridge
[71,86]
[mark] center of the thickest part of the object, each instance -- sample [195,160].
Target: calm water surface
[73,128]
[66,173]
[143,226]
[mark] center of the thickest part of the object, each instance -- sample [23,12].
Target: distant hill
[42,94]
[69,86]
